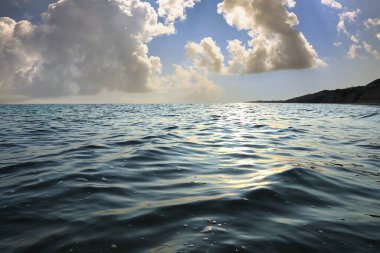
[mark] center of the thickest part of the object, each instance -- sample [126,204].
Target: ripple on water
[189,178]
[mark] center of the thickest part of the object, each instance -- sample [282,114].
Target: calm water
[190,178]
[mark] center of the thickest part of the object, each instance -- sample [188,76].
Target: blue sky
[340,56]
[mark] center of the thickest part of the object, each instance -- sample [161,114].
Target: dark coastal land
[368,94]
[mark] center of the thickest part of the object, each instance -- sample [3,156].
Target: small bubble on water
[113,246]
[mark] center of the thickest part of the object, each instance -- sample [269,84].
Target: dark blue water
[190,178]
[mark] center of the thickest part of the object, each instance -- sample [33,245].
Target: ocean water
[190,178]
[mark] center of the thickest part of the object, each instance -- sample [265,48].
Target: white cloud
[358,44]
[81,47]
[332,3]
[354,39]
[92,47]
[345,16]
[373,25]
[349,17]
[275,44]
[370,50]
[174,9]
[290,3]
[190,85]
[372,22]
[206,55]
[353,51]
[337,44]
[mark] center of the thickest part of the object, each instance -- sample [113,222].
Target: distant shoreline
[285,102]
[368,95]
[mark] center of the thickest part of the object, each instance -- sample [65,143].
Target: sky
[184,51]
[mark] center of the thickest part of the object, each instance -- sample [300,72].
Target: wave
[189,178]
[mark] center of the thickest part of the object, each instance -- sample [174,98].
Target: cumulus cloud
[81,47]
[358,45]
[372,22]
[353,51]
[332,3]
[354,39]
[275,43]
[370,50]
[172,10]
[344,17]
[290,3]
[190,85]
[373,25]
[206,55]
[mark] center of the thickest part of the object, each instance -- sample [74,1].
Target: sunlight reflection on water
[189,178]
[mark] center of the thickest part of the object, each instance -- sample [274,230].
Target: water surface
[190,178]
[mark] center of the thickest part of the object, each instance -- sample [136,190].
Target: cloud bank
[275,42]
[206,55]
[99,46]
[81,47]
[190,85]
[174,9]
[88,47]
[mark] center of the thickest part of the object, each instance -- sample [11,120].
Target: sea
[190,178]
